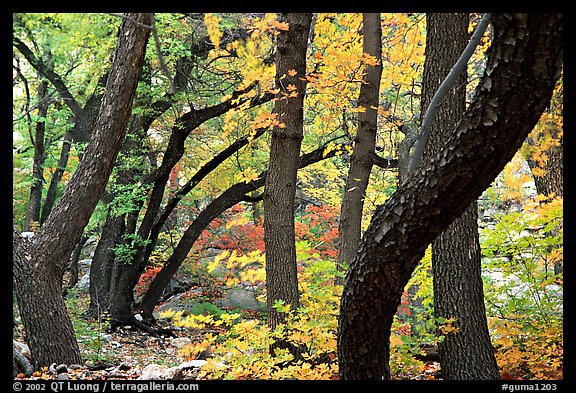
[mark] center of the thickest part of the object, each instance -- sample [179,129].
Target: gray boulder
[241,298]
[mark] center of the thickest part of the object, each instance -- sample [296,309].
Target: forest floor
[123,354]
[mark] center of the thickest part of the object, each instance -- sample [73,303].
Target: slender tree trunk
[456,256]
[33,212]
[38,263]
[52,192]
[280,188]
[526,54]
[350,224]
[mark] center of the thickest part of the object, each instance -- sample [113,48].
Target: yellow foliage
[191,351]
[537,351]
[448,328]
[212,27]
[249,175]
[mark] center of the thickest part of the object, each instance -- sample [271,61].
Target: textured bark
[280,188]
[49,331]
[526,54]
[458,293]
[38,264]
[456,257]
[350,224]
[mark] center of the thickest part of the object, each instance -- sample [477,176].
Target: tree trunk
[38,264]
[119,229]
[56,177]
[33,212]
[552,181]
[350,224]
[456,257]
[458,293]
[526,54]
[102,264]
[280,188]
[48,328]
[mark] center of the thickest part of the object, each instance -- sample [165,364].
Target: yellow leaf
[212,265]
[212,27]
[249,175]
[292,72]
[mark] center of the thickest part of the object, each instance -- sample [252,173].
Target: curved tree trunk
[38,263]
[526,54]
[456,257]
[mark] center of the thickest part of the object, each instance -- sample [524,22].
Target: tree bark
[38,263]
[526,54]
[33,212]
[280,188]
[456,258]
[48,328]
[350,224]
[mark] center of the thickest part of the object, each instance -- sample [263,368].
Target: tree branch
[49,73]
[443,90]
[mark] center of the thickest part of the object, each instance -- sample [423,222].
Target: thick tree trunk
[38,264]
[280,188]
[458,293]
[456,257]
[526,54]
[48,327]
[102,264]
[350,224]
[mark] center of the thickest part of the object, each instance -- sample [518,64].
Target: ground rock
[241,298]
[84,282]
[197,363]
[180,342]
[22,348]
[155,372]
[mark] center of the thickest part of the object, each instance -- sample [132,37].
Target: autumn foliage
[521,231]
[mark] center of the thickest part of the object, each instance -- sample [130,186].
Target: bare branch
[443,90]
